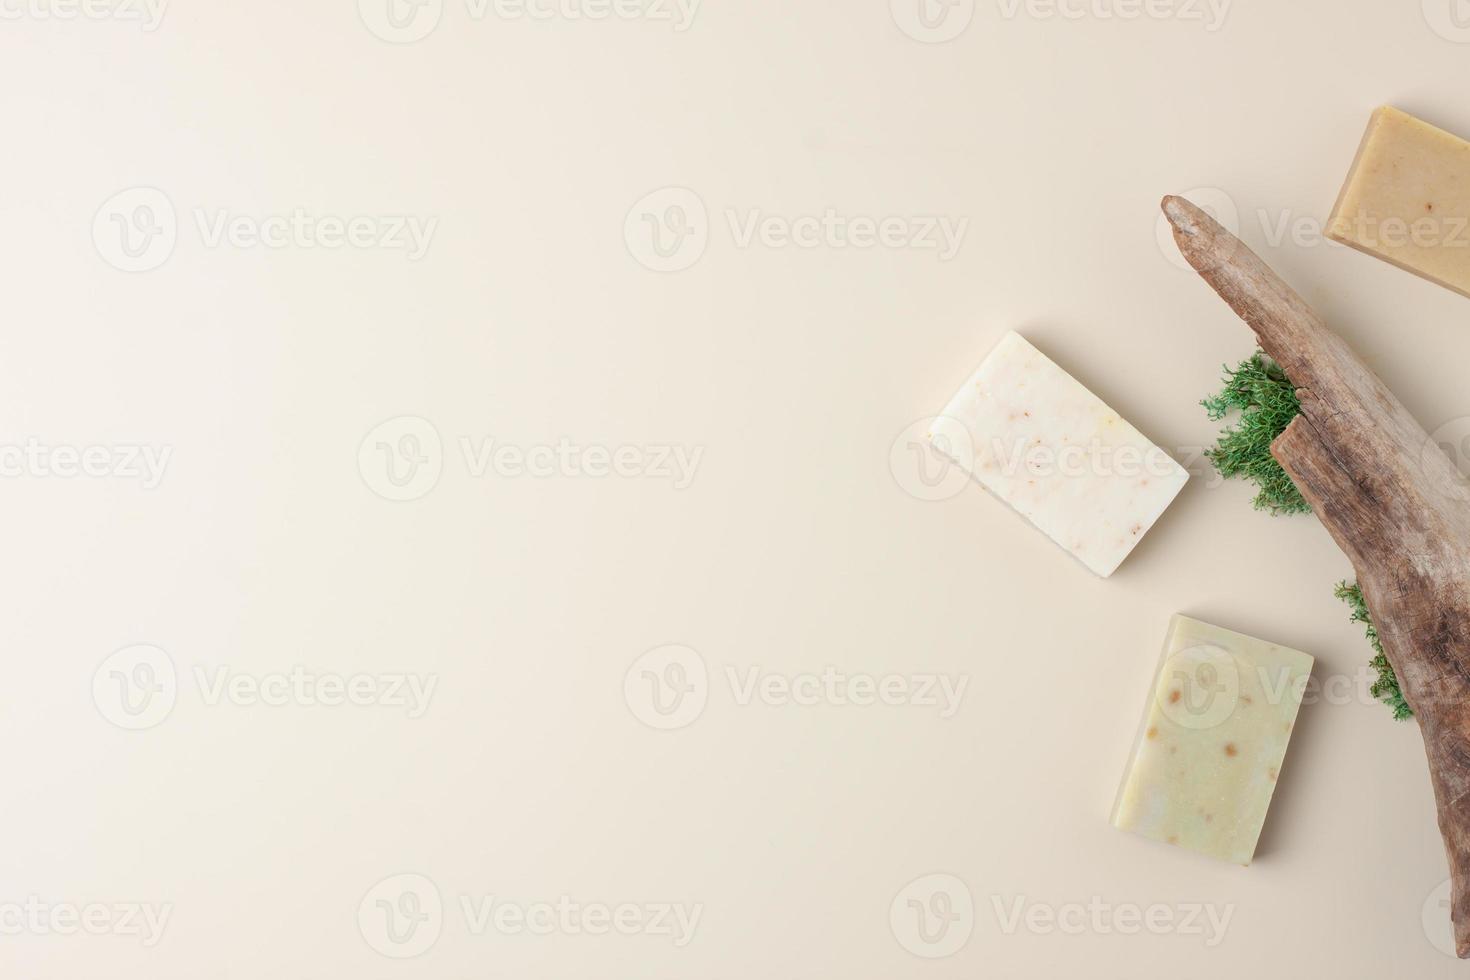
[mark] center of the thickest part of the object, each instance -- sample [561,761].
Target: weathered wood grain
[1388,495]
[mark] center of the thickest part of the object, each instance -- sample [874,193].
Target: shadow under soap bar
[1213,738]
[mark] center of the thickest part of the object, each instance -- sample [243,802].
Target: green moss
[1386,688]
[1265,398]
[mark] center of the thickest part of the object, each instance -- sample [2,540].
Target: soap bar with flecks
[1050,448]
[1407,199]
[1213,738]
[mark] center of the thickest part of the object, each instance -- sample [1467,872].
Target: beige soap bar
[1213,738]
[1407,199]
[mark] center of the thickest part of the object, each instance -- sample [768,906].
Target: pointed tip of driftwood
[1184,216]
[1205,244]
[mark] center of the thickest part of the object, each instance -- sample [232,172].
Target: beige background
[530,320]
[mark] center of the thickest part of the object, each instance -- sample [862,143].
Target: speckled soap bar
[1050,448]
[1213,738]
[1407,199]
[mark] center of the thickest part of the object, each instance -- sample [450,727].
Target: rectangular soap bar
[1050,448]
[1213,737]
[1407,199]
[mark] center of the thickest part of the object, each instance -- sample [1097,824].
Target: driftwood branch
[1390,497]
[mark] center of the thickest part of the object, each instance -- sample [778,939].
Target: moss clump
[1386,688]
[1263,395]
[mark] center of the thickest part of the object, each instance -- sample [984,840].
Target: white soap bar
[1213,738]
[1050,448]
